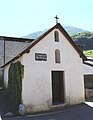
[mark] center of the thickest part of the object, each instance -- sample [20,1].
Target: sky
[21,17]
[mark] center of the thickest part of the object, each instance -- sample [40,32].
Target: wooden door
[57,87]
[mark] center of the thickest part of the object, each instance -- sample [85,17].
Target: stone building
[9,47]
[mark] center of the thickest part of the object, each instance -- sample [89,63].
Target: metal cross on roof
[56,19]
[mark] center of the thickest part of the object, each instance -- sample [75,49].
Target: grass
[88,53]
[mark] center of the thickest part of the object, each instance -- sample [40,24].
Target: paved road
[83,112]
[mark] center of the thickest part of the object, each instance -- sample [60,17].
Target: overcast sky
[21,17]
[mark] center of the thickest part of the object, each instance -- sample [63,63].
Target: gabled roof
[33,43]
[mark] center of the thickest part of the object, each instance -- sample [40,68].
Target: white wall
[6,69]
[37,86]
[6,75]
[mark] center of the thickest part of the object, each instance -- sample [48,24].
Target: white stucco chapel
[53,71]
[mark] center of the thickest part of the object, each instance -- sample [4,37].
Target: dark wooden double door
[57,87]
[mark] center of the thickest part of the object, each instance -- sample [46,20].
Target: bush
[14,89]
[1,80]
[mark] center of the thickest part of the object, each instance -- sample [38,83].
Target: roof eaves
[33,43]
[88,64]
[72,42]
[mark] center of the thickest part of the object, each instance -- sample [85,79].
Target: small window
[56,36]
[57,56]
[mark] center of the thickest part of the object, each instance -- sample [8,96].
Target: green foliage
[85,39]
[14,90]
[87,35]
[1,80]
[0,76]
[89,53]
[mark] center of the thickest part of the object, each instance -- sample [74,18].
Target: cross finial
[56,19]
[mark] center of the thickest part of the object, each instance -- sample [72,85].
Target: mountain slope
[70,30]
[34,35]
[73,30]
[81,37]
[85,39]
